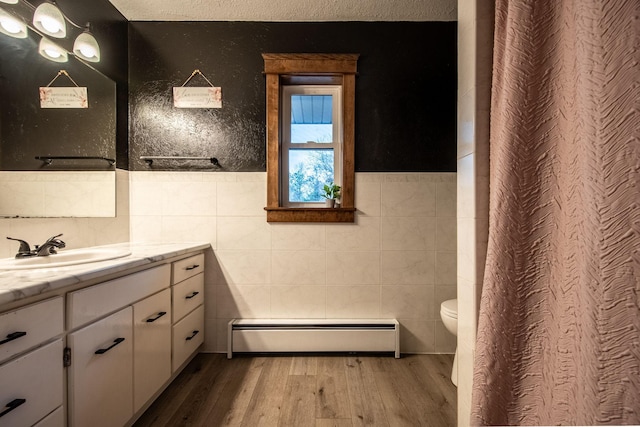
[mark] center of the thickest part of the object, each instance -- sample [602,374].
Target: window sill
[310,214]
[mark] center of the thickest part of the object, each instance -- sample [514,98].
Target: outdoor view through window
[312,142]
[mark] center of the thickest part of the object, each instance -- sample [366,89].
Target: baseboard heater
[313,335]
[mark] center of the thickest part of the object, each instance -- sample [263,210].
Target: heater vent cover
[313,335]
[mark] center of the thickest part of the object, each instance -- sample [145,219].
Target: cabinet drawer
[34,383]
[100,376]
[93,302]
[54,419]
[29,326]
[152,350]
[188,334]
[187,295]
[187,267]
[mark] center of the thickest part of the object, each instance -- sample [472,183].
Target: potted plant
[331,192]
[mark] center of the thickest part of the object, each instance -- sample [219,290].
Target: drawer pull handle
[159,315]
[115,343]
[12,405]
[193,294]
[13,336]
[193,267]
[189,338]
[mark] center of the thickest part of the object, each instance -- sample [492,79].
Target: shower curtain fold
[559,324]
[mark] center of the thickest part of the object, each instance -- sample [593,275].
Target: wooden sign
[197,97]
[64,97]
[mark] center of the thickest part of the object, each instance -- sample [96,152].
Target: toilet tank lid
[450,307]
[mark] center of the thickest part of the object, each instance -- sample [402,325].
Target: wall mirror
[54,162]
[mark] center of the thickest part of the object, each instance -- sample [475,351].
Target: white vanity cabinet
[188,309]
[89,304]
[188,334]
[30,326]
[152,353]
[55,419]
[101,372]
[117,343]
[31,386]
[31,371]
[101,375]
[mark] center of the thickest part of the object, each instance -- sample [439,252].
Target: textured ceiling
[287,10]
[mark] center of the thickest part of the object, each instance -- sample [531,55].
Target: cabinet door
[152,353]
[188,334]
[54,419]
[101,372]
[31,386]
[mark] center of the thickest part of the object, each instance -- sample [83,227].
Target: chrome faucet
[51,246]
[47,248]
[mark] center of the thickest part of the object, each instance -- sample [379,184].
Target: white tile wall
[381,266]
[408,267]
[58,194]
[298,302]
[78,232]
[475,29]
[409,233]
[398,259]
[353,268]
[299,267]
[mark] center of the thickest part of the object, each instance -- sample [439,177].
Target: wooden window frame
[310,68]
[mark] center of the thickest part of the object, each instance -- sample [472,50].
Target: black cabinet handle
[193,267]
[159,315]
[12,405]
[192,335]
[193,294]
[115,343]
[13,336]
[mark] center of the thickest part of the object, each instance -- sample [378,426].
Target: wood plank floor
[308,391]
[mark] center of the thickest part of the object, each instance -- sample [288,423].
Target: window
[310,135]
[311,143]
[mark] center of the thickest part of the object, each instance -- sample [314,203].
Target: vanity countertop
[20,284]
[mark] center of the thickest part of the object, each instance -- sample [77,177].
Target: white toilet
[449,315]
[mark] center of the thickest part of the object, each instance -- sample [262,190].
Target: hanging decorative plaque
[63,97]
[197,97]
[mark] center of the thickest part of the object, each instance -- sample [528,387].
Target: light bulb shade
[12,26]
[10,1]
[50,20]
[86,47]
[52,51]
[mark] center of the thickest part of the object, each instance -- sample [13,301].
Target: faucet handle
[24,246]
[50,239]
[57,243]
[51,246]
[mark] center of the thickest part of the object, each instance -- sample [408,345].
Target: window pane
[311,118]
[309,171]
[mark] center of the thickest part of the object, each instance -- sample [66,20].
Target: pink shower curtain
[559,327]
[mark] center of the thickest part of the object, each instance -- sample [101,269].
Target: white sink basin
[63,258]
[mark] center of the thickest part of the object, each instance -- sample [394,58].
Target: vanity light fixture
[50,20]
[52,51]
[12,26]
[86,46]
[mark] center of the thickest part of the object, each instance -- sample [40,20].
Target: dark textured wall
[29,131]
[405,90]
[110,29]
